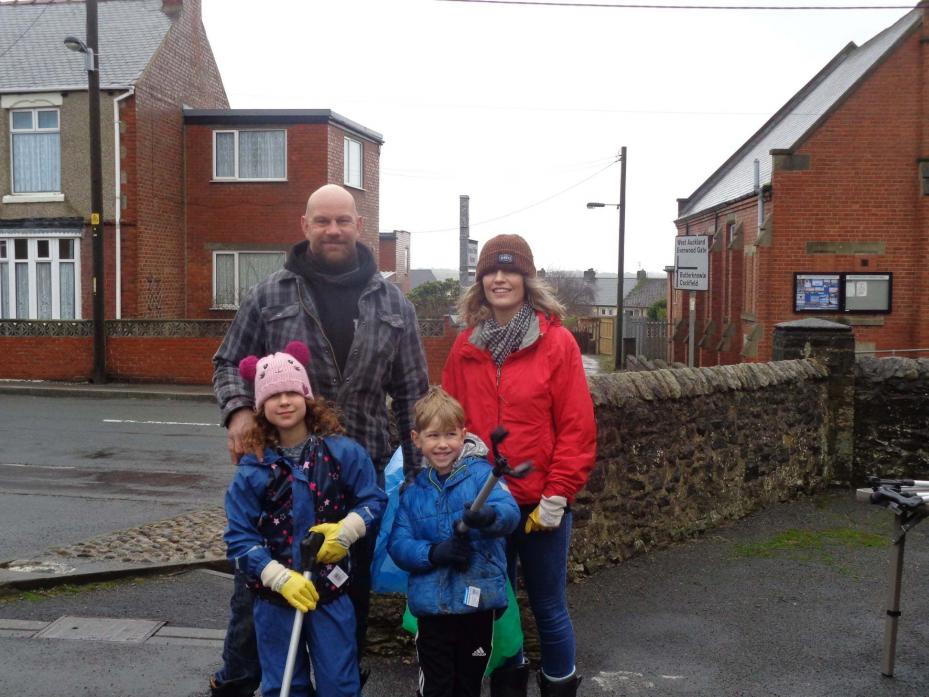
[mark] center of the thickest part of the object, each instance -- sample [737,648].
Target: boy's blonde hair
[437,404]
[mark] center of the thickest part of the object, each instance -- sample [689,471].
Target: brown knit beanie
[507,253]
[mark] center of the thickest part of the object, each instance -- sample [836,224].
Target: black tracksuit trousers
[453,651]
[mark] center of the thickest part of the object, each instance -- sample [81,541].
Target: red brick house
[394,258]
[154,58]
[835,224]
[248,175]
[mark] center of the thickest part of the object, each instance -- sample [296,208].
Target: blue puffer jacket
[247,493]
[427,513]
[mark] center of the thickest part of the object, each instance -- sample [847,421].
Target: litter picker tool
[907,499]
[501,467]
[309,548]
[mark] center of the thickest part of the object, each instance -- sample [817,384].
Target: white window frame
[38,195]
[346,163]
[236,177]
[235,265]
[32,241]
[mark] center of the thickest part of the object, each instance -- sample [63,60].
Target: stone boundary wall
[892,417]
[681,450]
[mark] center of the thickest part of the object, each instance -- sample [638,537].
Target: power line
[645,6]
[524,208]
[26,31]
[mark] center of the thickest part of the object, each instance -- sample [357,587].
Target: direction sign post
[691,272]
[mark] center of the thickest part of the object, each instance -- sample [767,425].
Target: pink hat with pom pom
[278,372]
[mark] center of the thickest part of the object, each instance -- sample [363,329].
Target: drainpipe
[118,201]
[760,195]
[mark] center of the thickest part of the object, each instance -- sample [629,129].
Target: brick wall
[245,215]
[862,186]
[183,71]
[367,199]
[262,216]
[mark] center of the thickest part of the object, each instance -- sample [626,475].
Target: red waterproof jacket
[540,395]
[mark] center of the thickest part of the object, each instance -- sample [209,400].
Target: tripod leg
[893,599]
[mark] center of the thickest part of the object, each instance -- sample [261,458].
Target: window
[250,155]
[36,150]
[39,278]
[235,273]
[353,160]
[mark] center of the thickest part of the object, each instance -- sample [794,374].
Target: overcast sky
[516,104]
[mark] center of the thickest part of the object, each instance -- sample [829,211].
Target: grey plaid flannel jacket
[386,357]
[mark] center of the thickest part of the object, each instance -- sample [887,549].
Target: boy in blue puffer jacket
[457,583]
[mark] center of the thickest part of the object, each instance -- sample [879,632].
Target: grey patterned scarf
[502,340]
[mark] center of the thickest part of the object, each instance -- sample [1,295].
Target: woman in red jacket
[518,367]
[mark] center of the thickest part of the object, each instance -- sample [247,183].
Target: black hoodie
[335,293]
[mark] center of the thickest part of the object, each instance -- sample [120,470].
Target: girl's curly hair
[322,419]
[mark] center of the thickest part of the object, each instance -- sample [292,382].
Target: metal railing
[890,352]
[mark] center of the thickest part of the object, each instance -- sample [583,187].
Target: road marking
[627,681]
[158,423]
[41,467]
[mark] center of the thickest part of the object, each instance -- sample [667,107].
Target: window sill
[246,181]
[223,308]
[33,198]
[352,186]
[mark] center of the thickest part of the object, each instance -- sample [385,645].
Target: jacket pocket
[284,323]
[389,329]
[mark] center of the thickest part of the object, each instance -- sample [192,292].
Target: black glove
[479,519]
[455,551]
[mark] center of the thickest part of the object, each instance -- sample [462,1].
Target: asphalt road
[786,603]
[71,468]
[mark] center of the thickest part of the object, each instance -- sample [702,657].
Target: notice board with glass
[843,292]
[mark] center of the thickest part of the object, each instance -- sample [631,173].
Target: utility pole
[620,359]
[96,195]
[463,235]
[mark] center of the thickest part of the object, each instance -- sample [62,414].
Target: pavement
[788,602]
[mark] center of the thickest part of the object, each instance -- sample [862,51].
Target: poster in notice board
[818,292]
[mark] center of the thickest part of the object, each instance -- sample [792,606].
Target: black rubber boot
[241,687]
[564,688]
[510,682]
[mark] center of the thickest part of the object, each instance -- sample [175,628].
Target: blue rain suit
[328,632]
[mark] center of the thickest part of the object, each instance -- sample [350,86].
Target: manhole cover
[100,629]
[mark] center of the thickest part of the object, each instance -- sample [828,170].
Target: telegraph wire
[524,208]
[649,6]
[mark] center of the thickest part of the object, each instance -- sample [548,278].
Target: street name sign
[691,262]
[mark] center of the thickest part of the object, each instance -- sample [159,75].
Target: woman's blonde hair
[322,419]
[473,306]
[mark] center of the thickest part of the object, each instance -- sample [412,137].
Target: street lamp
[90,51]
[619,353]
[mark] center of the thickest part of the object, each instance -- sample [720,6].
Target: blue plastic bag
[387,577]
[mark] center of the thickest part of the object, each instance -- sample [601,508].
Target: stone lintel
[860,247]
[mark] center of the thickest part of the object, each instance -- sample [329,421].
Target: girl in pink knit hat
[310,477]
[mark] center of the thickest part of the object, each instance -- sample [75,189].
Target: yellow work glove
[339,537]
[546,517]
[297,590]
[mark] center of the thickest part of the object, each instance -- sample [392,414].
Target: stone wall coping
[875,369]
[620,389]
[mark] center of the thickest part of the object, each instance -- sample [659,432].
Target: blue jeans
[544,560]
[241,668]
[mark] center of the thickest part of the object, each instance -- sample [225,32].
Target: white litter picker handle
[309,548]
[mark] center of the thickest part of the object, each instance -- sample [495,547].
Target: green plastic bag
[508,631]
